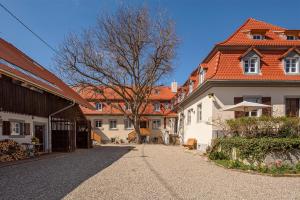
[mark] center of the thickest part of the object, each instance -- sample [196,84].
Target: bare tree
[127,52]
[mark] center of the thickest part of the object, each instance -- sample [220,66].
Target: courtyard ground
[143,172]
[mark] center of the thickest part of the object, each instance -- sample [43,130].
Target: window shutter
[237,100]
[27,129]
[267,101]
[6,128]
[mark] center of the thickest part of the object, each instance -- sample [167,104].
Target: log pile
[10,151]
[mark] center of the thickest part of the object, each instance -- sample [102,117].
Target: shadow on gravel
[55,177]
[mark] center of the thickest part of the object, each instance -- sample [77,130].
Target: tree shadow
[55,177]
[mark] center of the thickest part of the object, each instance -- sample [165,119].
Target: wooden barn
[35,103]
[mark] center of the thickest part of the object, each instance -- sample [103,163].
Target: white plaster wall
[201,131]
[224,96]
[107,133]
[6,116]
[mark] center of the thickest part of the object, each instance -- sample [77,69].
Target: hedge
[254,149]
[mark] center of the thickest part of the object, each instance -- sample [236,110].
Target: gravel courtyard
[144,172]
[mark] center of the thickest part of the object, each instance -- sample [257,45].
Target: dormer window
[157,106]
[191,87]
[257,37]
[291,65]
[251,65]
[291,37]
[99,106]
[202,76]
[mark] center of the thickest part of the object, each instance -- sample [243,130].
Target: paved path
[146,172]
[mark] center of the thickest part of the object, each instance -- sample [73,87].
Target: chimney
[174,86]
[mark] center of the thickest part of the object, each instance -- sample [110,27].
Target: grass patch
[276,170]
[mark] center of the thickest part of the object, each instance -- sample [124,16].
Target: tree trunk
[137,130]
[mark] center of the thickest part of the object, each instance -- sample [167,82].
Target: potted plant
[35,140]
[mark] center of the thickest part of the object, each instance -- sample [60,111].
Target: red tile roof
[224,61]
[16,64]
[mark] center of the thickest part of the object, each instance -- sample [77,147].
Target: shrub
[217,156]
[265,126]
[254,149]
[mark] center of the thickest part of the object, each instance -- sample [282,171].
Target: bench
[191,143]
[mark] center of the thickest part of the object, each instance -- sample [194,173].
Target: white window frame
[258,37]
[157,106]
[167,105]
[99,106]
[16,128]
[127,124]
[199,112]
[98,122]
[116,124]
[254,113]
[289,59]
[156,124]
[250,62]
[202,76]
[191,87]
[189,116]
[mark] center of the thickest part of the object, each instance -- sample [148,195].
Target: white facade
[215,99]
[121,132]
[32,120]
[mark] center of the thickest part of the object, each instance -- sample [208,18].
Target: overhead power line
[28,28]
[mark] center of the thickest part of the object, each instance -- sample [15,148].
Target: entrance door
[143,124]
[39,133]
[292,107]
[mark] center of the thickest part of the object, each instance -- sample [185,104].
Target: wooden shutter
[27,129]
[266,101]
[6,128]
[237,100]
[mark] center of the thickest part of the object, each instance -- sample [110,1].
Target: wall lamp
[210,95]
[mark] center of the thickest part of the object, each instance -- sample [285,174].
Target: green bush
[254,149]
[217,156]
[265,126]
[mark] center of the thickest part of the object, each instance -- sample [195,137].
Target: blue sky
[199,24]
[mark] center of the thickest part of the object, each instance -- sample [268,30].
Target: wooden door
[39,133]
[292,107]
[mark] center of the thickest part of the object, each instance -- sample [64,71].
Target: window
[291,65]
[156,124]
[191,87]
[98,123]
[113,124]
[257,37]
[157,106]
[99,106]
[167,105]
[189,116]
[17,128]
[127,107]
[199,112]
[127,124]
[253,113]
[202,76]
[251,66]
[156,91]
[291,37]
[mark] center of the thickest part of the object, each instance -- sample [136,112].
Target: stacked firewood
[10,151]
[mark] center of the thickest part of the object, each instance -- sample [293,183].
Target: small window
[167,105]
[291,65]
[257,37]
[113,124]
[199,112]
[127,107]
[291,37]
[127,124]
[191,87]
[202,76]
[99,106]
[251,66]
[98,123]
[189,117]
[17,128]
[156,124]
[157,107]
